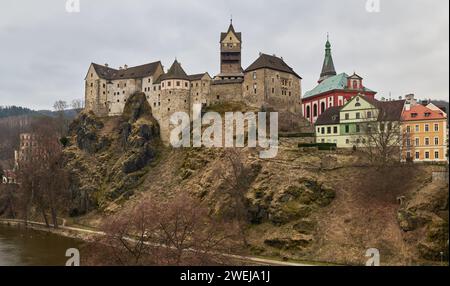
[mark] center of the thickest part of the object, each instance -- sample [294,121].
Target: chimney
[120,68]
[106,65]
[125,66]
[407,106]
[260,54]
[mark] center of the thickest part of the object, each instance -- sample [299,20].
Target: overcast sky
[45,51]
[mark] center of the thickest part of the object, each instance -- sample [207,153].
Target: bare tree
[236,183]
[176,232]
[380,138]
[43,179]
[60,107]
[77,104]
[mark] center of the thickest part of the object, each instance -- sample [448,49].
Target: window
[427,141]
[408,155]
[273,90]
[347,128]
[427,128]
[169,83]
[254,75]
[436,154]
[436,141]
[92,84]
[355,84]
[417,155]
[322,107]
[358,115]
[315,110]
[369,128]
[347,141]
[335,130]
[318,130]
[417,128]
[408,129]
[185,84]
[178,83]
[417,143]
[358,128]
[323,130]
[369,114]
[427,155]
[308,111]
[347,116]
[436,127]
[329,130]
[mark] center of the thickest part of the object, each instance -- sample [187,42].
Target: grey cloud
[45,51]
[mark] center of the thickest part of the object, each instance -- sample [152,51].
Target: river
[27,247]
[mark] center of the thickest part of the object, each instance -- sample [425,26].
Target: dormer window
[413,115]
[427,114]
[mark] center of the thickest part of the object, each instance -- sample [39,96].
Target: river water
[27,247]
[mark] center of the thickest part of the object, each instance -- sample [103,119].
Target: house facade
[355,124]
[425,129]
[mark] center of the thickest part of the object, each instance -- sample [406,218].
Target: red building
[332,90]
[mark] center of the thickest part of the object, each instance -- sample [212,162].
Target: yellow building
[424,132]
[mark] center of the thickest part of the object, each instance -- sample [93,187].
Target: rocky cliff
[303,205]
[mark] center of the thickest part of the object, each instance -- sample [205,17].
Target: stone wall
[267,87]
[222,91]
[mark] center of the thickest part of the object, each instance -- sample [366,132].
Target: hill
[302,205]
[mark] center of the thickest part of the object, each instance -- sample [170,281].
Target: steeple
[328,65]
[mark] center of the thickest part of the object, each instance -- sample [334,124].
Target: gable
[358,103]
[92,71]
[230,38]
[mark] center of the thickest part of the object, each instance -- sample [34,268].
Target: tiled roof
[128,73]
[198,76]
[271,62]
[175,72]
[330,116]
[420,112]
[337,82]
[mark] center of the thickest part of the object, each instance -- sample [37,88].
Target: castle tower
[175,96]
[328,65]
[230,54]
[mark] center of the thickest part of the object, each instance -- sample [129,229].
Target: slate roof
[390,110]
[231,29]
[330,116]
[328,65]
[129,73]
[337,82]
[271,62]
[175,72]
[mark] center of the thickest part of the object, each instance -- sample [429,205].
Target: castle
[267,82]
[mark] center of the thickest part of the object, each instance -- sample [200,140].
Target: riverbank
[87,235]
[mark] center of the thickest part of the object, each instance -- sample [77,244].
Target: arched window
[355,84]
[315,110]
[322,107]
[308,111]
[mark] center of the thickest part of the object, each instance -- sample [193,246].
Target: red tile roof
[420,112]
